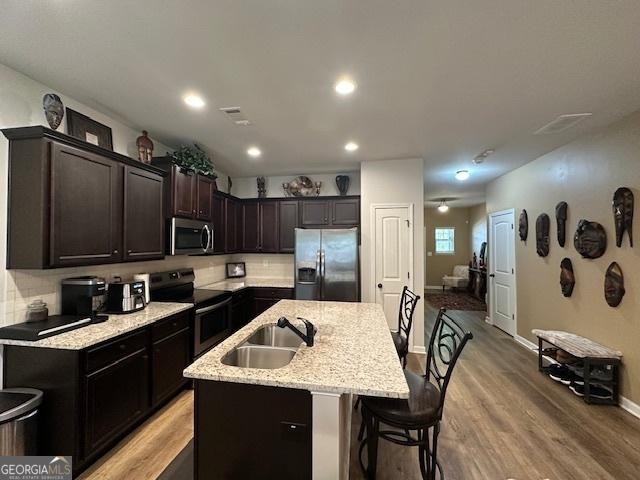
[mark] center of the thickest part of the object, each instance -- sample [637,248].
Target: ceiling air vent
[562,123]
[236,116]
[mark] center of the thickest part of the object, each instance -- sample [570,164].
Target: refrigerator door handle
[322,272]
[318,268]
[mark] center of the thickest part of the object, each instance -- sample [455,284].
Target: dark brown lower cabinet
[252,431]
[95,396]
[116,397]
[170,357]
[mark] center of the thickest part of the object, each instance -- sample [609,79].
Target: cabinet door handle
[115,251]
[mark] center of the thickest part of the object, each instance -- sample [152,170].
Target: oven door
[188,237]
[212,325]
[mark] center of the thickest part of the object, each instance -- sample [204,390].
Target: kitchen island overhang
[353,354]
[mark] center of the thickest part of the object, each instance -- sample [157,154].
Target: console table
[478,282]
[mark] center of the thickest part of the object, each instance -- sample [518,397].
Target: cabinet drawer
[267,292]
[115,350]
[169,326]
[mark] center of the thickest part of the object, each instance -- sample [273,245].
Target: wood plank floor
[502,420]
[147,451]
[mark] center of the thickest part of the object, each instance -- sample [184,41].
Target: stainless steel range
[212,320]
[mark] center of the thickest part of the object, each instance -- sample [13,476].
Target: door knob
[379,285]
[492,275]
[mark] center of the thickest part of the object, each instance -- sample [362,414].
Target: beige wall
[584,173]
[394,181]
[438,265]
[477,228]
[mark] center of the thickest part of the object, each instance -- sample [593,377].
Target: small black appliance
[83,296]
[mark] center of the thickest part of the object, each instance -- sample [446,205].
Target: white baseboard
[529,345]
[487,319]
[631,407]
[419,349]
[624,403]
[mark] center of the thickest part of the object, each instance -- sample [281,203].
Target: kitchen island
[353,353]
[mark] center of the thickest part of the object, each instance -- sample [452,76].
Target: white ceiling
[438,79]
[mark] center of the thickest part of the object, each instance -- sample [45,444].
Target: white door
[502,277]
[393,264]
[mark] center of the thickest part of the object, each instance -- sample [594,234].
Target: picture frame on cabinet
[86,129]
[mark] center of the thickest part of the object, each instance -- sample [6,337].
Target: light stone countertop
[353,352]
[235,284]
[116,325]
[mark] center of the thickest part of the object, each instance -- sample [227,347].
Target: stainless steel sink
[274,336]
[258,356]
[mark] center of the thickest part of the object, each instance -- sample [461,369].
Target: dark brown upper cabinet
[260,227]
[251,226]
[183,188]
[287,225]
[204,198]
[314,212]
[269,227]
[67,203]
[188,195]
[231,226]
[86,208]
[143,215]
[219,223]
[345,212]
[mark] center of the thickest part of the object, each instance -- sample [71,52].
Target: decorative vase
[342,182]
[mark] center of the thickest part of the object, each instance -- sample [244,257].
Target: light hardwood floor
[502,420]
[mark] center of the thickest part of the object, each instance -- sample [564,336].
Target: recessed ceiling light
[351,147]
[345,86]
[462,175]
[254,152]
[193,100]
[443,207]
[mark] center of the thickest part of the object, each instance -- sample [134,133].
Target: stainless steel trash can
[19,421]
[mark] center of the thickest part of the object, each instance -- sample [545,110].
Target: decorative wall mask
[542,234]
[523,225]
[613,285]
[342,182]
[53,109]
[561,220]
[567,278]
[145,147]
[590,239]
[623,214]
[262,189]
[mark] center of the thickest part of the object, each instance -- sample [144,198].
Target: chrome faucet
[311,329]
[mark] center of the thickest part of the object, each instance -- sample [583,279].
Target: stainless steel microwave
[189,237]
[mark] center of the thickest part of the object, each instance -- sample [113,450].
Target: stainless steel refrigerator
[327,264]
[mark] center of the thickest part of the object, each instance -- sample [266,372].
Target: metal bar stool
[422,411]
[408,302]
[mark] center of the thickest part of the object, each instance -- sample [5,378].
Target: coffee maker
[84,296]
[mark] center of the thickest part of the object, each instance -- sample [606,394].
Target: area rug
[455,301]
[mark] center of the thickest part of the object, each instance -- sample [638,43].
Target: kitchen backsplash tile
[24,286]
[263,265]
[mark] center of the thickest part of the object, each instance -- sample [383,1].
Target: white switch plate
[429,254]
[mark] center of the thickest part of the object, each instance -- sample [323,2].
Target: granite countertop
[353,352]
[84,337]
[235,284]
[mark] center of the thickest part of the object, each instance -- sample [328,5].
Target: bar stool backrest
[447,340]
[408,302]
